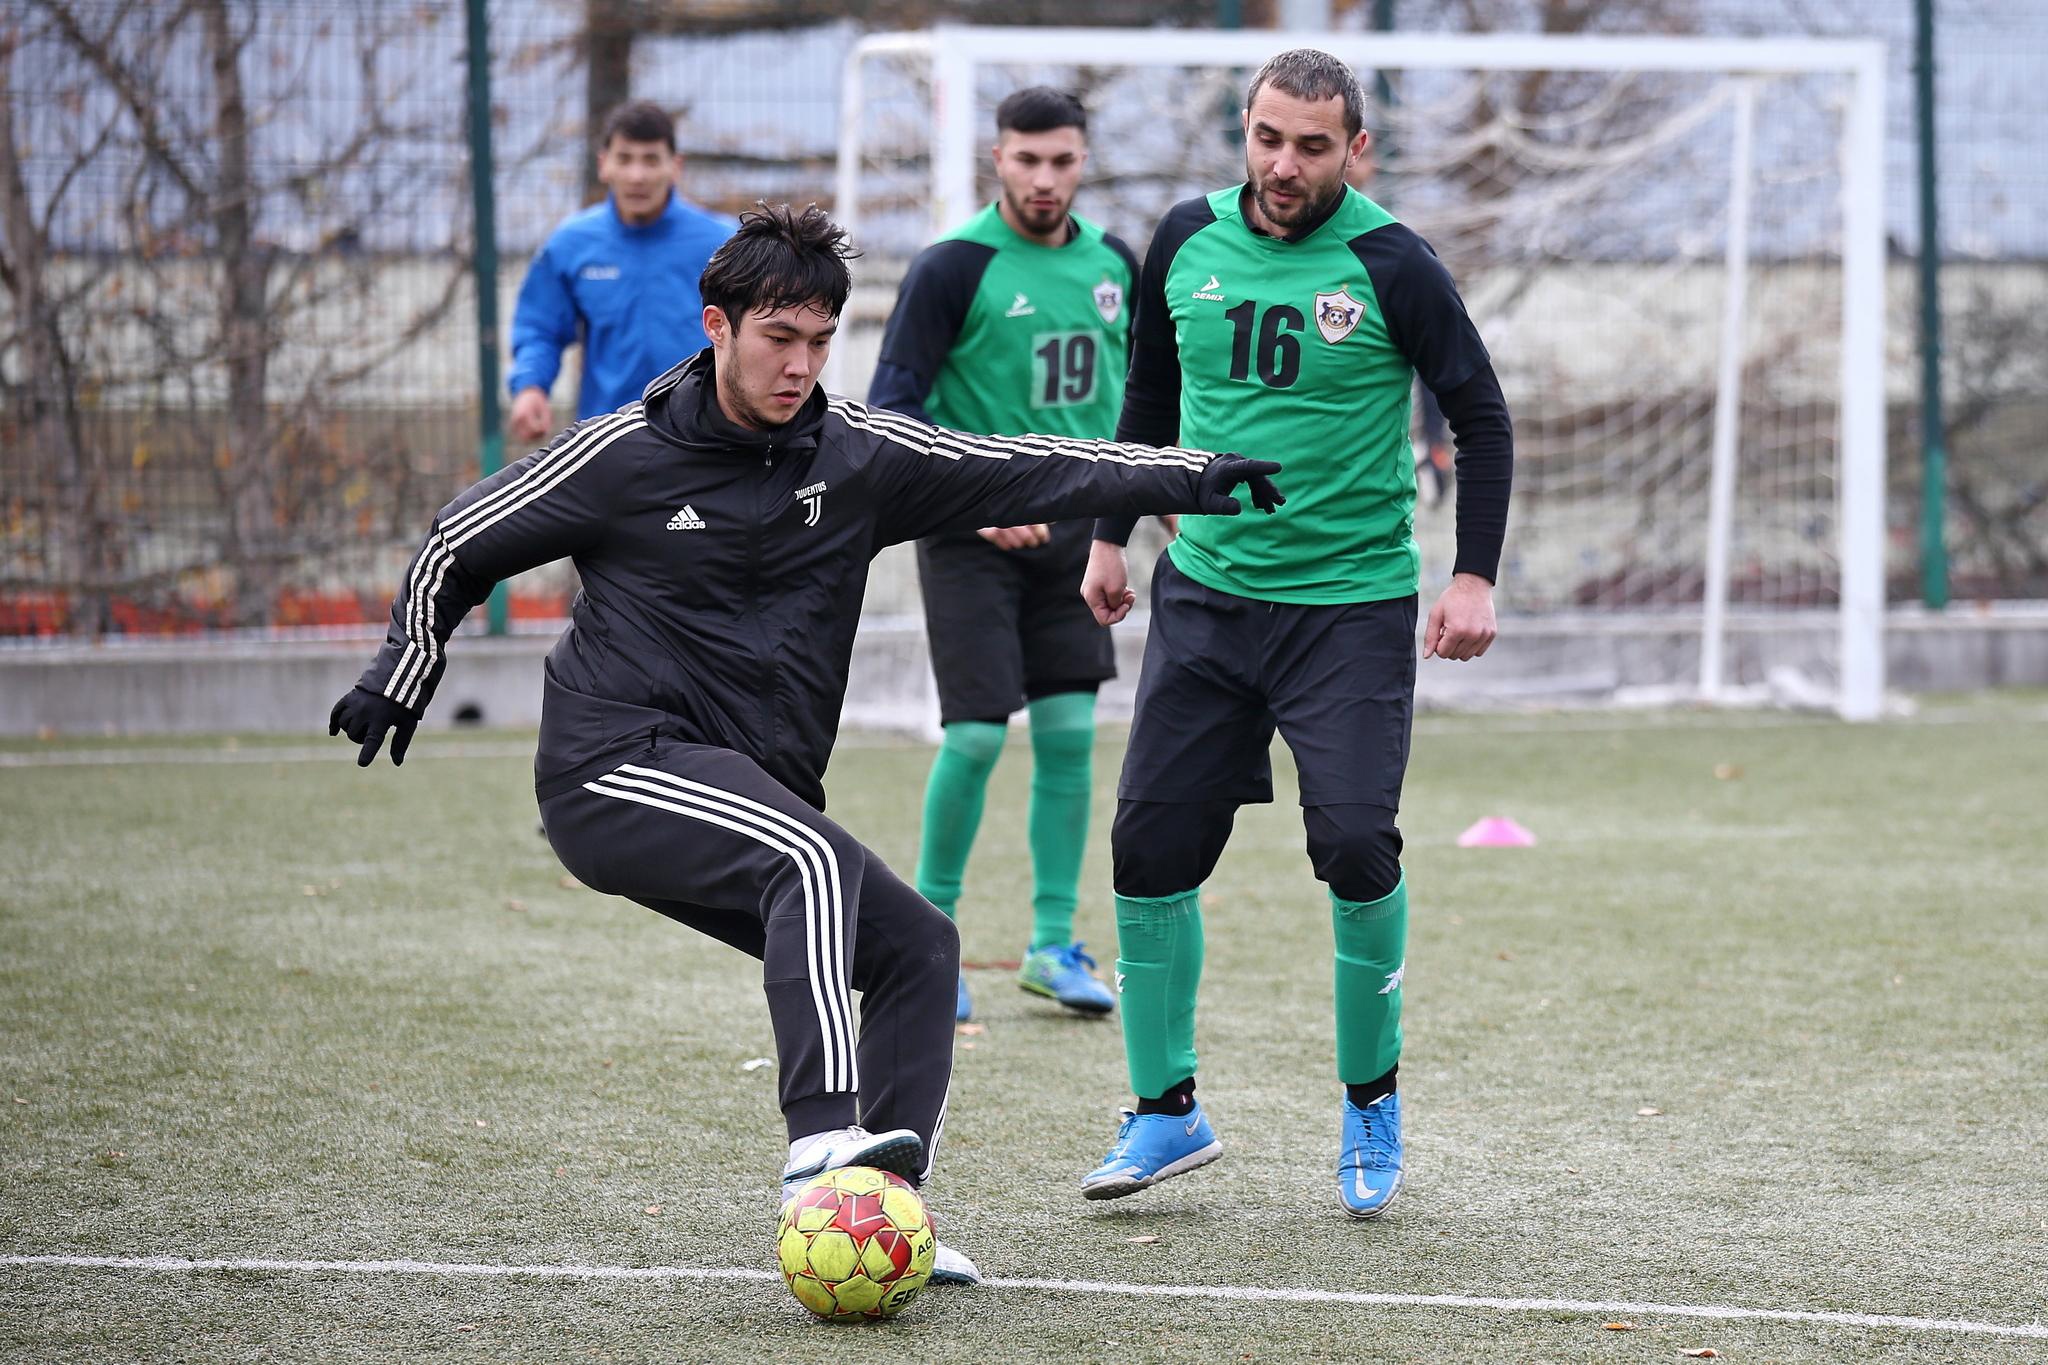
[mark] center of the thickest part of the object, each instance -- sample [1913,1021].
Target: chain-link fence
[237,335]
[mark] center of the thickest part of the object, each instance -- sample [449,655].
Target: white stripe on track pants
[705,837]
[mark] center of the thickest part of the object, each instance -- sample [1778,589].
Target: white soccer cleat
[950,1267]
[899,1151]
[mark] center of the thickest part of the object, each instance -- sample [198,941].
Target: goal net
[1671,246]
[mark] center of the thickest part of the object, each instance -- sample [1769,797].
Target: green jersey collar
[990,228]
[1228,203]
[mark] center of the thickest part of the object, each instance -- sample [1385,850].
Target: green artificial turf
[292,1010]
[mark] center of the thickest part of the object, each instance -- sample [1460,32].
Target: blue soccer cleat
[1151,1148]
[963,1004]
[1061,972]
[1369,1162]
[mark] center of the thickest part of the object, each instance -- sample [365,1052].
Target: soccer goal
[1673,247]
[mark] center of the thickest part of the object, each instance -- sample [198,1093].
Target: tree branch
[139,103]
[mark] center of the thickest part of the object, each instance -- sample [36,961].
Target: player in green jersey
[1017,322]
[1289,317]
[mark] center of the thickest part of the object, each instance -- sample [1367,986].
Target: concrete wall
[187,687]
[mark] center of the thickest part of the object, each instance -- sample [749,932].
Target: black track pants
[707,838]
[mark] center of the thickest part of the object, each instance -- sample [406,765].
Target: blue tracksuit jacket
[629,294]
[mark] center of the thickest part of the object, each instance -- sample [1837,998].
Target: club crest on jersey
[1109,300]
[813,499]
[1336,315]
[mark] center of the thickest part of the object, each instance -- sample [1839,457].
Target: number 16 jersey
[1015,337]
[1304,351]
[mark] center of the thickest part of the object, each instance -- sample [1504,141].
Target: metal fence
[237,330]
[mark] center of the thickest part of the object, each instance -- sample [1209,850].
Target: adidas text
[686,520]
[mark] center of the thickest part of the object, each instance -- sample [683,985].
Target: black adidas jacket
[723,569]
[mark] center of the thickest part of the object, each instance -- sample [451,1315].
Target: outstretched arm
[929,479]
[549,505]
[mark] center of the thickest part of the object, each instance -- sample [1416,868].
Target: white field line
[1237,1293]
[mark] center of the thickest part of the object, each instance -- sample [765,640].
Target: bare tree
[1998,486]
[42,402]
[199,332]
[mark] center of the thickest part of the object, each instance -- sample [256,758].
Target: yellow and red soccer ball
[856,1243]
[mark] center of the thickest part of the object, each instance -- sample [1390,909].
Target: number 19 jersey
[1016,337]
[1302,351]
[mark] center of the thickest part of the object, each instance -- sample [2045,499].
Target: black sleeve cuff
[1483,434]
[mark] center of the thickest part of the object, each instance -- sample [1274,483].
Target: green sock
[1158,967]
[1372,952]
[953,799]
[1062,759]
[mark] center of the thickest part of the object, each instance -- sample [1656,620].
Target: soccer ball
[856,1243]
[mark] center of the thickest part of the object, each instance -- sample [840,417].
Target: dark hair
[779,258]
[1040,109]
[638,121]
[1308,73]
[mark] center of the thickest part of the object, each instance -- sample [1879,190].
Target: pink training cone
[1496,831]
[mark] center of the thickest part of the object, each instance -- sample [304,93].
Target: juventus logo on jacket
[814,502]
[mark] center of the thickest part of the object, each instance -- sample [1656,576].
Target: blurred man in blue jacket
[620,277]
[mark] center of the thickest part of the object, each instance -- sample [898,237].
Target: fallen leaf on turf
[1619,1326]
[568,883]
[1571,1170]
[309,890]
[971,1030]
[19,1100]
[1703,1353]
[515,904]
[967,1047]
[1728,772]
[651,1210]
[1505,956]
[1646,1112]
[756,1063]
[561,1170]
[467,1327]
[483,1123]
[1146,1240]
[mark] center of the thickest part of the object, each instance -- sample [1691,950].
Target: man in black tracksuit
[723,528]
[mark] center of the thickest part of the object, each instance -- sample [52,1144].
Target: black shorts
[1221,672]
[1005,623]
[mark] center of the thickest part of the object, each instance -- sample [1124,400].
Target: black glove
[1226,472]
[366,717]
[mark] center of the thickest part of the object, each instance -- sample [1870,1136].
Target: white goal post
[957,59]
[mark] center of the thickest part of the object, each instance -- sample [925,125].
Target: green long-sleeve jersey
[996,334]
[1305,351]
